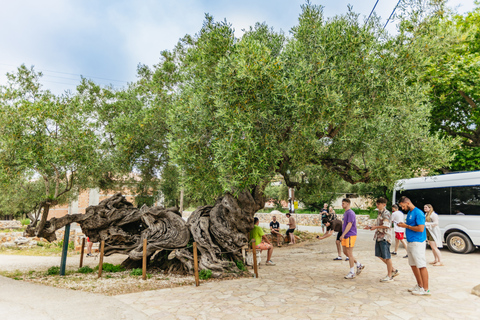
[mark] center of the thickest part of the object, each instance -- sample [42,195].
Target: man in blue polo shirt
[416,237]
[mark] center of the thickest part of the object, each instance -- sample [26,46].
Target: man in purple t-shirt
[349,235]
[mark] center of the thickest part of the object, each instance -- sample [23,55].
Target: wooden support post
[82,249]
[63,261]
[195,264]
[144,262]
[100,265]
[254,251]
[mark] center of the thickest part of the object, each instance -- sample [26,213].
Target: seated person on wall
[275,230]
[333,226]
[261,241]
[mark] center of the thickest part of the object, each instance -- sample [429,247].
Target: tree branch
[469,100]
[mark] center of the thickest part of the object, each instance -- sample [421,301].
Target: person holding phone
[383,239]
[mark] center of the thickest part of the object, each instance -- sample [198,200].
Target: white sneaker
[416,288]
[395,273]
[350,275]
[386,279]
[360,269]
[270,263]
[421,292]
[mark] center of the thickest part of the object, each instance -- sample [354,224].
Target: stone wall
[12,239]
[309,219]
[10,224]
[301,219]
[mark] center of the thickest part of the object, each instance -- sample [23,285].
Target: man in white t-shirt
[397,217]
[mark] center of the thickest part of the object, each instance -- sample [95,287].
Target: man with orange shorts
[348,237]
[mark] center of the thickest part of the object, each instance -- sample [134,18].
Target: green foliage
[52,271]
[147,200]
[205,274]
[85,269]
[45,136]
[25,222]
[325,105]
[136,272]
[240,265]
[71,244]
[108,267]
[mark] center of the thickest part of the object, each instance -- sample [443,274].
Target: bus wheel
[459,243]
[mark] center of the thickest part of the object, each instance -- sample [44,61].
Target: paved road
[305,284]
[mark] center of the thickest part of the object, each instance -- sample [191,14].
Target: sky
[106,40]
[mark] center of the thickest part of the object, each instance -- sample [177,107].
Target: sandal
[438,264]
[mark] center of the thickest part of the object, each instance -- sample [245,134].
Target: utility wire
[71,74]
[372,11]
[391,14]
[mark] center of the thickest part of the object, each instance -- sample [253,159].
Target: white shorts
[416,254]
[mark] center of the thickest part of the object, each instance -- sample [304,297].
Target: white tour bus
[455,197]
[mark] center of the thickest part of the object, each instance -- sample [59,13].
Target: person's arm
[265,239]
[326,235]
[418,228]
[385,221]
[347,228]
[434,222]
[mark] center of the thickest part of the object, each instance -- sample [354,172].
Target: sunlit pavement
[307,284]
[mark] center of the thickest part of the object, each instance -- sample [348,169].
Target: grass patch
[42,249]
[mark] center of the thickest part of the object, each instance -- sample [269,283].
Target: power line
[72,74]
[392,14]
[372,11]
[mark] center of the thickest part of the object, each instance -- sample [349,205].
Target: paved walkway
[307,284]
[26,301]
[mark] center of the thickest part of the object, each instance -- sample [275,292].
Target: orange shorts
[349,242]
[264,246]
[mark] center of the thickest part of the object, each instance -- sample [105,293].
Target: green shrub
[136,272]
[108,267]
[85,269]
[52,271]
[240,265]
[205,274]
[25,222]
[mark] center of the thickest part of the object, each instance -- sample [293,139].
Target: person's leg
[404,244]
[418,277]
[424,276]
[89,247]
[396,245]
[339,248]
[349,253]
[436,252]
[269,252]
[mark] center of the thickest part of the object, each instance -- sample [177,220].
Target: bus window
[466,200]
[439,198]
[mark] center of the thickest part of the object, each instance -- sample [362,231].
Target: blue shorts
[382,249]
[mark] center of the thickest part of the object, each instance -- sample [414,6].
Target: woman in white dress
[434,236]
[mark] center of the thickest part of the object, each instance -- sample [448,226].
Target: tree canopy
[337,96]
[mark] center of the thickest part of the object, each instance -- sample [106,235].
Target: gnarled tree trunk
[220,231]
